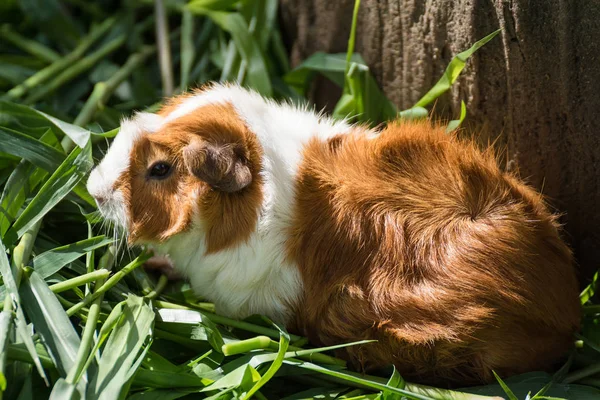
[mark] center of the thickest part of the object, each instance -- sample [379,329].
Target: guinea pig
[405,235]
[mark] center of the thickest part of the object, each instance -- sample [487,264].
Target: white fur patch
[251,279]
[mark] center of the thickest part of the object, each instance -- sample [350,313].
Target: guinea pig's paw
[162,265]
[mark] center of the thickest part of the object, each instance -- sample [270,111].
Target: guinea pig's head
[199,171]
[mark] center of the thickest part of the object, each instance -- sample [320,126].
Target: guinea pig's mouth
[114,215]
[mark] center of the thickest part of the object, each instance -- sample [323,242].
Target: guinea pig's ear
[223,166]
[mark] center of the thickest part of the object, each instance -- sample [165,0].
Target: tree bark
[534,90]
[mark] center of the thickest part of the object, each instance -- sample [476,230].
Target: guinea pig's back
[420,241]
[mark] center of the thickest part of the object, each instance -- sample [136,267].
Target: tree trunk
[534,89]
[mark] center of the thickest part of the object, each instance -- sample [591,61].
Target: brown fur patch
[420,241]
[157,209]
[160,209]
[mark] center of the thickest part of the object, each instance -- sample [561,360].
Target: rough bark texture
[535,89]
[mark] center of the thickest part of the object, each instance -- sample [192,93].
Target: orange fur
[420,241]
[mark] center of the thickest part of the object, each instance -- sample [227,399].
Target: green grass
[79,317]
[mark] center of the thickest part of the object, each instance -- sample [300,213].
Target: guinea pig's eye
[159,170]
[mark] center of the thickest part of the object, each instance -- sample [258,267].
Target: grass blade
[78,135]
[178,313]
[26,118]
[414,113]
[12,300]
[22,181]
[51,322]
[162,379]
[75,70]
[64,390]
[454,124]
[31,46]
[362,99]
[89,330]
[352,37]
[54,260]
[35,151]
[590,290]
[103,90]
[141,259]
[5,325]
[509,393]
[257,73]
[284,342]
[332,66]
[188,51]
[60,184]
[55,68]
[164,47]
[80,280]
[215,5]
[452,72]
[121,352]
[396,381]
[357,380]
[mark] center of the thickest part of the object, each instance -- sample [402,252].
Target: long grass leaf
[101,94]
[590,290]
[188,51]
[215,5]
[247,46]
[110,283]
[23,180]
[12,301]
[89,330]
[60,184]
[509,393]
[77,134]
[284,342]
[58,66]
[122,349]
[51,322]
[452,71]
[164,48]
[26,117]
[64,390]
[33,47]
[5,327]
[357,380]
[332,66]
[396,381]
[54,260]
[352,37]
[178,313]
[454,124]
[164,379]
[75,70]
[30,149]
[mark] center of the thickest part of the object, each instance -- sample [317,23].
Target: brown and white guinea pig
[407,235]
